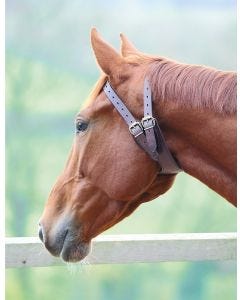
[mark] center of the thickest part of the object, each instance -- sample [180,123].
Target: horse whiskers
[79,268]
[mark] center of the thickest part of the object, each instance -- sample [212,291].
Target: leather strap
[148,122]
[119,105]
[147,133]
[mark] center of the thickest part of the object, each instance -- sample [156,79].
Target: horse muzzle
[64,240]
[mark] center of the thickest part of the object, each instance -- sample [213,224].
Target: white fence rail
[118,249]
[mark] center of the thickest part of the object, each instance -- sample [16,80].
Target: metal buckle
[148,122]
[136,129]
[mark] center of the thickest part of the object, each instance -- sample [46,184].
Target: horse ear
[127,48]
[107,57]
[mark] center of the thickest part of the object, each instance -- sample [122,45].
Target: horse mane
[194,86]
[190,86]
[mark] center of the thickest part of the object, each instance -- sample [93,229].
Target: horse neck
[196,109]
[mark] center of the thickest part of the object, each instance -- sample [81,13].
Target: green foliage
[45,88]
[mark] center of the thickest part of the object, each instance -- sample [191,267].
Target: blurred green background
[50,70]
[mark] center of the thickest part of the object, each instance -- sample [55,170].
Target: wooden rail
[118,249]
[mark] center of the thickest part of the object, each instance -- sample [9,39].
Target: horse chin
[74,252]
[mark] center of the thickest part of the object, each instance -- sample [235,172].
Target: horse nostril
[40,234]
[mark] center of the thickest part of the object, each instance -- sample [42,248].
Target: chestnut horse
[107,176]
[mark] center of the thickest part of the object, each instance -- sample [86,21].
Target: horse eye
[81,126]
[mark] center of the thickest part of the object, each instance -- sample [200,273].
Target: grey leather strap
[165,158]
[147,94]
[119,105]
[146,133]
[148,122]
[134,126]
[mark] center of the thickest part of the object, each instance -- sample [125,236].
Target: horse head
[107,176]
